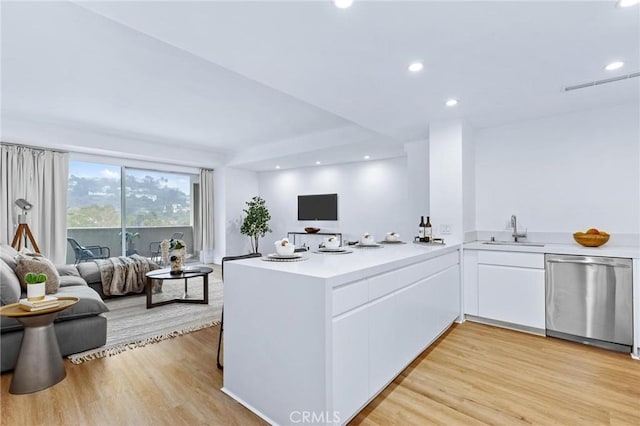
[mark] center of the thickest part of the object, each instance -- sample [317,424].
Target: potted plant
[131,243]
[256,223]
[35,286]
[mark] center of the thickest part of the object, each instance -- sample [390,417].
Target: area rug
[131,325]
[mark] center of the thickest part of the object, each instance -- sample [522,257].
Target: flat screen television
[318,207]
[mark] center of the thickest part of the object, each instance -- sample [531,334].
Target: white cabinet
[510,288]
[351,361]
[470,282]
[511,294]
[384,340]
[375,340]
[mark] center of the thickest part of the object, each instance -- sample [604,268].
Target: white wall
[468,183]
[445,168]
[563,173]
[372,197]
[418,172]
[232,188]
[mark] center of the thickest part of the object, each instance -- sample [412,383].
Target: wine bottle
[428,234]
[421,226]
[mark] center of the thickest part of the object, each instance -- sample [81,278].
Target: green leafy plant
[130,236]
[33,278]
[256,223]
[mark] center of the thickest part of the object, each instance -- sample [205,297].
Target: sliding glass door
[129,210]
[158,207]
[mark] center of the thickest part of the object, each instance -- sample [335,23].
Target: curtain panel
[40,177]
[205,238]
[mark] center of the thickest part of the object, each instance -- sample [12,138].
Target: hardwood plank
[475,374]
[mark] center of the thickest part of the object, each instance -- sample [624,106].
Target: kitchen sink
[512,243]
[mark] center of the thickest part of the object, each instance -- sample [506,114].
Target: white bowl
[392,236]
[332,242]
[286,249]
[367,240]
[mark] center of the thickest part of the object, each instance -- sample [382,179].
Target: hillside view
[152,199]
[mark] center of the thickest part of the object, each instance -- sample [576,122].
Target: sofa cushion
[9,285]
[90,272]
[89,304]
[67,270]
[71,280]
[8,255]
[38,265]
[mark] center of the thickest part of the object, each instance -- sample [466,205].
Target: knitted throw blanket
[123,275]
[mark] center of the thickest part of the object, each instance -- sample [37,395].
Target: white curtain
[40,177]
[205,238]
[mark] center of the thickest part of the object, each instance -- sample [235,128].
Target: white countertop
[337,269]
[575,249]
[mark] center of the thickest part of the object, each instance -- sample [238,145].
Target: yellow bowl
[591,240]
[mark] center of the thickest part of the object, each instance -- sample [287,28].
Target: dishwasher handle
[589,262]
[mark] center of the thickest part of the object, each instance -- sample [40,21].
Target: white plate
[283,256]
[368,245]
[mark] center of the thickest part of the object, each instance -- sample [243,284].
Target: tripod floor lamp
[23,228]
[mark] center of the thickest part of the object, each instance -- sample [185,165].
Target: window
[155,206]
[94,195]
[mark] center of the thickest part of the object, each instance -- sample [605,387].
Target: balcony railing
[110,237]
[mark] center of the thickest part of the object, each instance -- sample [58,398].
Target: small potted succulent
[35,286]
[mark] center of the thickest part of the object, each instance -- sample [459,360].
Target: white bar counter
[315,341]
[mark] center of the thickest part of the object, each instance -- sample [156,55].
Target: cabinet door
[470,280]
[511,294]
[350,362]
[448,290]
[385,336]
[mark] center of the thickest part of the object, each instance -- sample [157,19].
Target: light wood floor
[475,374]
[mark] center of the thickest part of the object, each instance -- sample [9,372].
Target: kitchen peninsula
[316,340]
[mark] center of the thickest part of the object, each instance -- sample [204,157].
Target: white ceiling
[290,83]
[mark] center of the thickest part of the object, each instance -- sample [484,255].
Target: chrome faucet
[514,225]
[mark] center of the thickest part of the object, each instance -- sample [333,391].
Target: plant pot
[35,292]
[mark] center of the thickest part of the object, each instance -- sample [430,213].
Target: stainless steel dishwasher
[589,300]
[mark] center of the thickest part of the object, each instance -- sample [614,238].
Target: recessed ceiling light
[614,66]
[277,167]
[451,102]
[343,4]
[416,67]
[317,163]
[366,157]
[627,3]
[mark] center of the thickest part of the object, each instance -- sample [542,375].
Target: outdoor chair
[84,253]
[227,259]
[156,251]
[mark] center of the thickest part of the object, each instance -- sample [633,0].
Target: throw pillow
[38,265]
[9,285]
[8,255]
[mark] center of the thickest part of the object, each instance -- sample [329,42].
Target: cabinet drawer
[395,280]
[509,258]
[347,297]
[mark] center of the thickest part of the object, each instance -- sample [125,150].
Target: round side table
[40,363]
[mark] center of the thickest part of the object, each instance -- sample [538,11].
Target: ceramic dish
[283,256]
[374,245]
[334,251]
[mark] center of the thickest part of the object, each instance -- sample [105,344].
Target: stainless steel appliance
[589,300]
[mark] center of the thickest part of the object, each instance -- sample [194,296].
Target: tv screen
[318,207]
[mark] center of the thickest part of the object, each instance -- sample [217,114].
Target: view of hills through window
[152,198]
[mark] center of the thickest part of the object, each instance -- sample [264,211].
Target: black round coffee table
[189,272]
